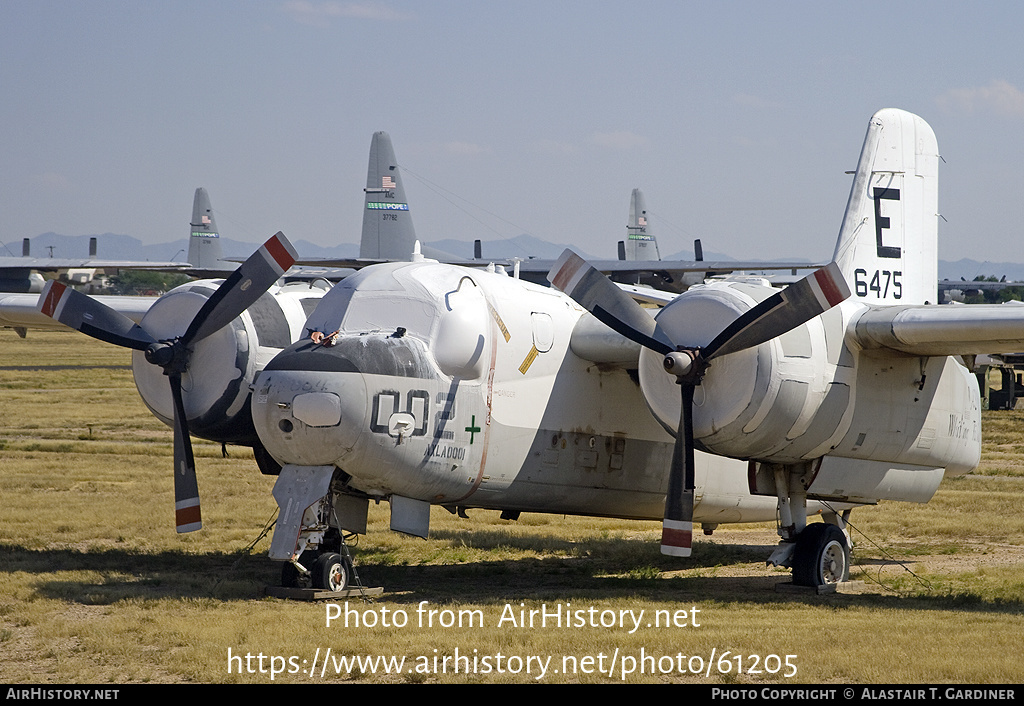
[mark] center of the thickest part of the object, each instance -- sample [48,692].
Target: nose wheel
[331,572]
[328,571]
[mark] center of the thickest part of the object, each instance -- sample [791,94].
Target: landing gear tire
[821,557]
[330,572]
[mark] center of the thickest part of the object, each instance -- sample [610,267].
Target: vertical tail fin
[640,243]
[387,226]
[888,243]
[204,250]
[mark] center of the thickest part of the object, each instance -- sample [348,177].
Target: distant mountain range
[969,269]
[126,247]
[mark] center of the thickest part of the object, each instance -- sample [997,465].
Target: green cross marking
[472,429]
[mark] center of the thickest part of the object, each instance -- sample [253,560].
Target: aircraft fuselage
[457,387]
[460,387]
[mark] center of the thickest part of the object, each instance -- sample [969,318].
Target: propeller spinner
[776,315]
[239,291]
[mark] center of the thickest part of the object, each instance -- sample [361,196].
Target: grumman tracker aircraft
[423,383]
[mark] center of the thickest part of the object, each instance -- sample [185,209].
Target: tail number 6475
[883,283]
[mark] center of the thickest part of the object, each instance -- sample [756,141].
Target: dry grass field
[96,587]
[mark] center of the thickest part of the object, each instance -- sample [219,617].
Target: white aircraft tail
[888,243]
[204,250]
[640,243]
[387,226]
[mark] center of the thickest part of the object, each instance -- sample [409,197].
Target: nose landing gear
[308,537]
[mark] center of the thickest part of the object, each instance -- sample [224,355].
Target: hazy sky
[737,119]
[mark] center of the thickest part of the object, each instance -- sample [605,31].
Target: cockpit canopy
[442,306]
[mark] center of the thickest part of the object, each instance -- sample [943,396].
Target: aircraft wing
[305,274]
[536,265]
[21,311]
[354,263]
[947,329]
[50,264]
[647,295]
[670,267]
[979,285]
[331,267]
[672,275]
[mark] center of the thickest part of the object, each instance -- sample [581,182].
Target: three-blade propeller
[779,313]
[237,293]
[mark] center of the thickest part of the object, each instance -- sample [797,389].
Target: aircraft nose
[309,418]
[310,403]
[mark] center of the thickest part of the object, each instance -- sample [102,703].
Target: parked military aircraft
[640,243]
[205,254]
[641,247]
[425,383]
[205,259]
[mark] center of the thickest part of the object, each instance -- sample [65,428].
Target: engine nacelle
[767,402]
[223,366]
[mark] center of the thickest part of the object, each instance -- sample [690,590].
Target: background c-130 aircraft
[427,383]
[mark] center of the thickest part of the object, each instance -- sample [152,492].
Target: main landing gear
[821,556]
[818,553]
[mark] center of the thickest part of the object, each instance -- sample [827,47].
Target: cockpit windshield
[438,304]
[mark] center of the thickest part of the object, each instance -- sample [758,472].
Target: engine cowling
[763,403]
[223,366]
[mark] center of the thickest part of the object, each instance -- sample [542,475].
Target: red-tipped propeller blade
[239,291]
[677,526]
[782,312]
[597,294]
[85,314]
[242,288]
[187,517]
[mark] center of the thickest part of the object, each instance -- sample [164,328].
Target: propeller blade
[187,515]
[85,314]
[242,287]
[782,312]
[677,525]
[597,294]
